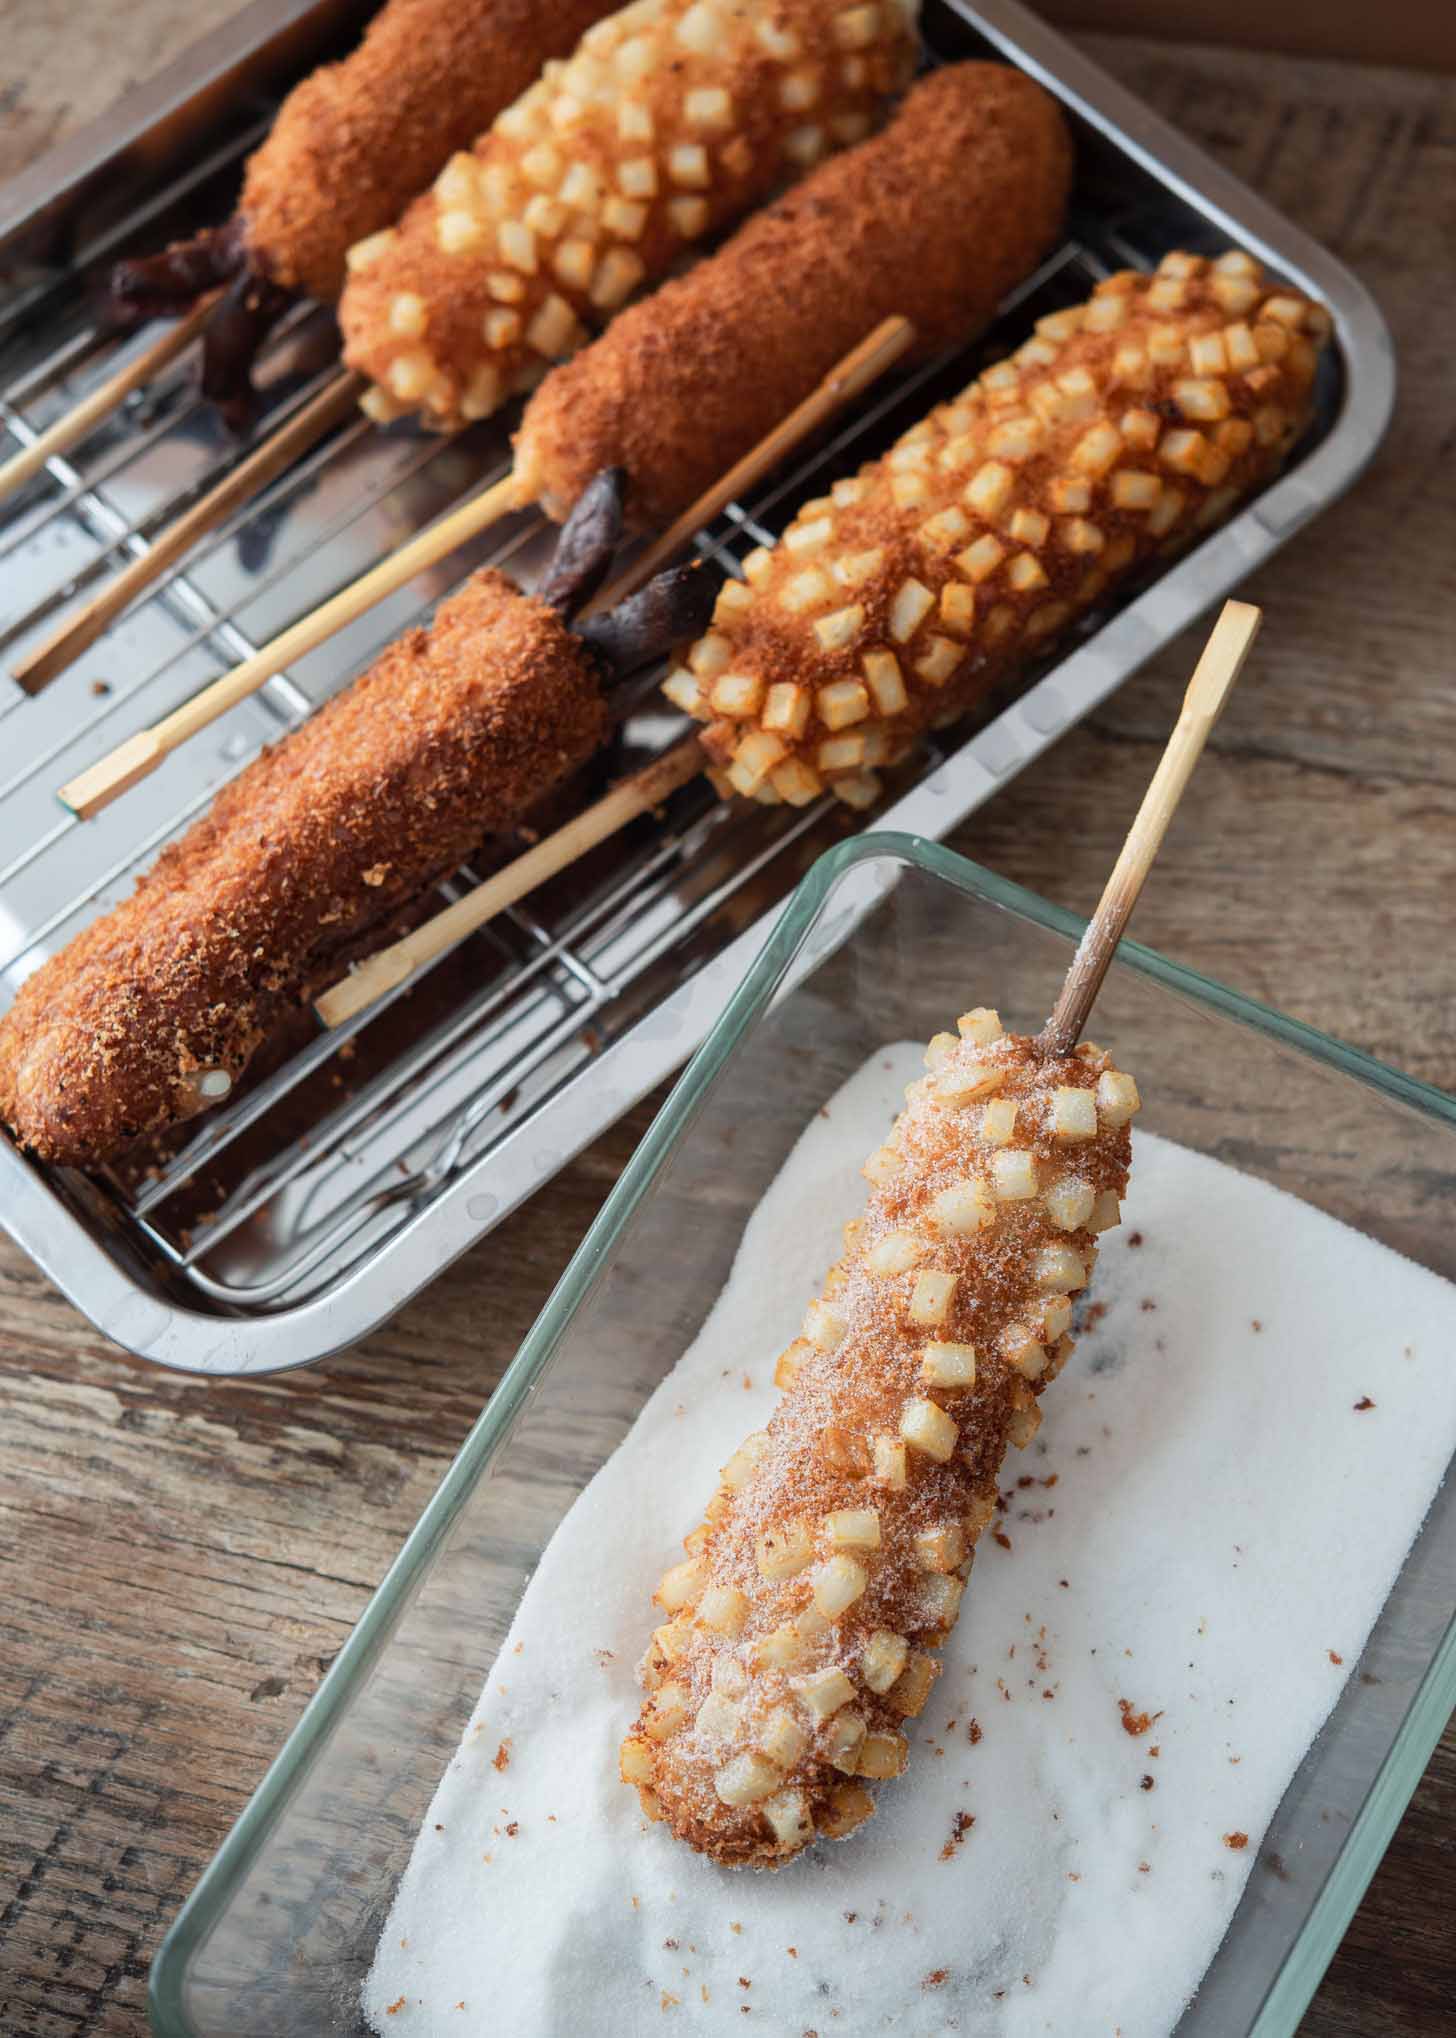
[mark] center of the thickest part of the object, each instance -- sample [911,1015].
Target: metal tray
[294,1221]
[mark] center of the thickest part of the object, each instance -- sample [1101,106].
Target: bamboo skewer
[131,761]
[1222,660]
[78,632]
[67,431]
[1229,644]
[636,795]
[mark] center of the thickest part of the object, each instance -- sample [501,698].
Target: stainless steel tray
[303,1215]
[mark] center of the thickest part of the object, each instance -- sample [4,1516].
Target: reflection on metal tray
[355,1165]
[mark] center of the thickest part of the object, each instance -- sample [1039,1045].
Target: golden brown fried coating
[834,1553]
[936,218]
[357,140]
[669,121]
[451,734]
[1126,427]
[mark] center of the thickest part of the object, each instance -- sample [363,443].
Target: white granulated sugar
[1206,1551]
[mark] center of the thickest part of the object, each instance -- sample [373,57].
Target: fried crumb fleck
[1236,1842]
[960,1825]
[1135,1723]
[501,1759]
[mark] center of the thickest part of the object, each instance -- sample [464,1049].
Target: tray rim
[1431,1704]
[192,1340]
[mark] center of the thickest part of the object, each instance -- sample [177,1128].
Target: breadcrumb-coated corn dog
[450,735]
[934,218]
[671,118]
[1125,427]
[800,1626]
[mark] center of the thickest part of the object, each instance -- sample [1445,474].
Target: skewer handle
[115,774]
[1223,658]
[867,362]
[636,795]
[67,431]
[79,631]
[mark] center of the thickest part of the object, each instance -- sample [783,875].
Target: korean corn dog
[670,119]
[800,1627]
[1126,427]
[357,140]
[935,218]
[153,1012]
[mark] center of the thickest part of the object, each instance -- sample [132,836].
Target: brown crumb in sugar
[502,1756]
[1335,1657]
[1135,1723]
[1236,1842]
[960,1826]
[1363,1403]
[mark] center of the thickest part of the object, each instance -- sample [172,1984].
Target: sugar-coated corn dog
[935,218]
[354,143]
[1126,427]
[799,1628]
[671,118]
[153,1012]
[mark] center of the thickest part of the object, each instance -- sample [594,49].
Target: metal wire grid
[302,1214]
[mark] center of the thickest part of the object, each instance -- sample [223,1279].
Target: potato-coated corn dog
[1126,427]
[799,1627]
[934,218]
[672,118]
[153,1012]
[351,146]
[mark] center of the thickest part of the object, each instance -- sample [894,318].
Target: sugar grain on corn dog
[351,146]
[799,1629]
[671,119]
[1125,428]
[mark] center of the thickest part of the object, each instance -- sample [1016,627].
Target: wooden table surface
[180,1560]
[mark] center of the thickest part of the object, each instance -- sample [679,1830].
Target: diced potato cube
[844,1452]
[784,1550]
[729,1676]
[942,1548]
[965,1082]
[786,709]
[824,1329]
[884,1657]
[883,1755]
[854,1528]
[718,1717]
[910,1690]
[1058,1269]
[926,1427]
[636,1760]
[849,1807]
[998,1121]
[824,1692]
[1013,1175]
[890,1463]
[1073,1114]
[1023,1349]
[912,604]
[845,701]
[781,1649]
[671,1704]
[681,1584]
[853,569]
[931,1296]
[844,1740]
[750,1453]
[786,1370]
[989,489]
[1117,1098]
[882,1166]
[787,1812]
[838,1583]
[948,1365]
[981,1026]
[961,1209]
[940,1599]
[1056,1317]
[783,1738]
[724,1609]
[1069,1202]
[746,1779]
[1106,1213]
[895,1253]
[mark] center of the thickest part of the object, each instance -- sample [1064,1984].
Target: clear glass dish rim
[1425,1718]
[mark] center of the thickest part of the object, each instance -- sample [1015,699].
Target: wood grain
[179,1561]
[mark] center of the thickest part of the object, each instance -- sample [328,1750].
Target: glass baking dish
[886,936]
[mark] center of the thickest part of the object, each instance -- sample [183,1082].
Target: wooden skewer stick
[290,442]
[647,788]
[130,762]
[67,431]
[636,795]
[1228,646]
